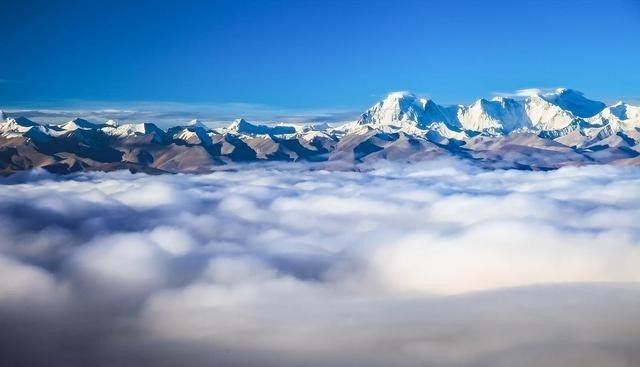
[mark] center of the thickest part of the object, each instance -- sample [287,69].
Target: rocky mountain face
[542,131]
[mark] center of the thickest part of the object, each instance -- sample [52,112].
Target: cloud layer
[438,264]
[168,114]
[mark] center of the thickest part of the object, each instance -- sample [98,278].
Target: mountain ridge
[539,131]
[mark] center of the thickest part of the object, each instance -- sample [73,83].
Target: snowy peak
[557,112]
[497,116]
[574,102]
[126,130]
[16,125]
[620,117]
[404,110]
[241,126]
[623,111]
[78,123]
[396,107]
[545,115]
[197,123]
[21,121]
[194,132]
[548,115]
[540,131]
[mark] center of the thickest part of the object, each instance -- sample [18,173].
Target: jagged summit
[397,106]
[541,111]
[542,130]
[238,124]
[78,123]
[496,116]
[22,121]
[406,110]
[619,117]
[242,126]
[574,102]
[196,123]
[624,111]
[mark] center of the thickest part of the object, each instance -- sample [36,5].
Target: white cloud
[438,264]
[23,284]
[526,92]
[167,114]
[505,253]
[121,264]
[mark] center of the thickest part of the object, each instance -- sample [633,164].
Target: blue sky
[299,55]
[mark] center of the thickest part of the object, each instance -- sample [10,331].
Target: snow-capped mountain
[496,117]
[545,115]
[540,131]
[619,116]
[545,112]
[573,101]
[403,110]
[241,126]
[78,123]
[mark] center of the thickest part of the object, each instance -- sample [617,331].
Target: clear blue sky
[308,54]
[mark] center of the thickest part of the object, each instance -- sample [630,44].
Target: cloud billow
[439,264]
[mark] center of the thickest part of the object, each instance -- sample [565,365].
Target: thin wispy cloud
[526,92]
[173,113]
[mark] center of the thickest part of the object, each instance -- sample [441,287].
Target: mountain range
[541,131]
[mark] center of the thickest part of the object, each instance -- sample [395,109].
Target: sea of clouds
[433,264]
